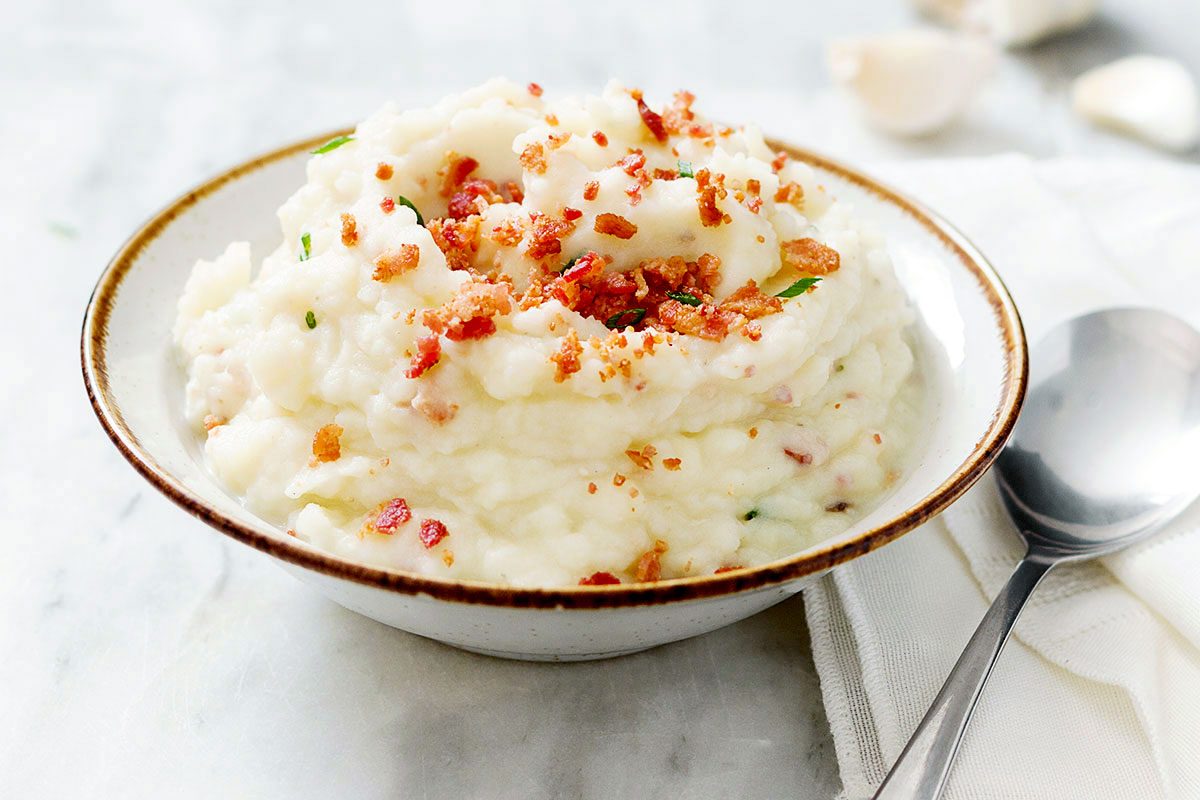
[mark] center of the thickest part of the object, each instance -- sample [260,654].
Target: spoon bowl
[1106,451]
[1107,448]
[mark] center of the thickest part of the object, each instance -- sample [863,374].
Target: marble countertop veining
[144,656]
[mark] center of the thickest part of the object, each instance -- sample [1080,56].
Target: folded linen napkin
[1098,694]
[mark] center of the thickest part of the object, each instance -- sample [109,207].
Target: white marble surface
[141,655]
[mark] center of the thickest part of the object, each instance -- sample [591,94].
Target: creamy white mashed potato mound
[437,397]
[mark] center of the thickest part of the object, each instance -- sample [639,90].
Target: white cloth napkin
[1098,694]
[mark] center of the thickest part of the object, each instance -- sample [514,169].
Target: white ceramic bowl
[970,348]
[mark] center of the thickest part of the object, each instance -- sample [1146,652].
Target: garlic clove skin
[1151,98]
[914,82]
[1011,23]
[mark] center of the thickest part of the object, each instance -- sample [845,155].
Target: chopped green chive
[568,265]
[840,367]
[404,201]
[751,514]
[332,144]
[305,247]
[687,298]
[310,319]
[686,170]
[799,287]
[625,319]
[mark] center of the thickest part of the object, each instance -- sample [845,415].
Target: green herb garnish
[840,367]
[404,201]
[332,144]
[799,287]
[751,514]
[686,298]
[310,319]
[686,170]
[568,265]
[305,246]
[624,319]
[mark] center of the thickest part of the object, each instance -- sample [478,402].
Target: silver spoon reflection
[1106,451]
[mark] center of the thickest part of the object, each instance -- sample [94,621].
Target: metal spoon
[1106,451]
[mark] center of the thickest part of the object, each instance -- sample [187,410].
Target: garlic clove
[1148,97]
[914,82]
[1011,22]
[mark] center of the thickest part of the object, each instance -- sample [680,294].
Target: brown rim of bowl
[270,540]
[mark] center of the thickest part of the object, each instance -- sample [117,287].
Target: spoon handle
[920,772]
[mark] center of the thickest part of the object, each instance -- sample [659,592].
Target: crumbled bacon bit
[810,256]
[634,193]
[349,230]
[472,197]
[435,409]
[649,566]
[653,121]
[391,263]
[534,89]
[643,458]
[599,138]
[557,140]
[588,265]
[388,205]
[730,568]
[791,193]
[212,421]
[618,479]
[799,458]
[751,302]
[753,186]
[779,160]
[515,193]
[327,443]
[292,533]
[660,174]
[571,214]
[468,315]
[878,439]
[383,171]
[429,350]
[754,204]
[752,433]
[432,531]
[600,579]
[456,171]
[592,488]
[448,558]
[672,464]
[633,163]
[566,360]
[392,515]
[615,225]
[707,192]
[457,239]
[533,158]
[590,190]
[679,117]
[508,233]
[546,235]
[551,120]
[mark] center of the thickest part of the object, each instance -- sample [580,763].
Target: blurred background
[148,654]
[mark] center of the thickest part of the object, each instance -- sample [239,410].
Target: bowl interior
[970,352]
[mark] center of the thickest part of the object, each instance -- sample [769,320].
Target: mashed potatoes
[546,343]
